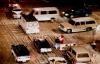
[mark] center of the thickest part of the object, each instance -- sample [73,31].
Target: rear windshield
[83,55]
[17,10]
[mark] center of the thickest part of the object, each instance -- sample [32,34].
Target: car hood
[66,24]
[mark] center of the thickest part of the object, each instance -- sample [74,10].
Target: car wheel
[69,31]
[71,16]
[52,19]
[88,28]
[86,15]
[72,61]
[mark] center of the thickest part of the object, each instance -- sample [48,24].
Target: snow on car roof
[80,19]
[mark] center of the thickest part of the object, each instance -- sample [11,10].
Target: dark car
[13,3]
[77,12]
[42,45]
[20,53]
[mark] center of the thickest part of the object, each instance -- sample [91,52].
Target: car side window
[43,12]
[77,24]
[90,22]
[82,23]
[70,49]
[74,52]
[53,12]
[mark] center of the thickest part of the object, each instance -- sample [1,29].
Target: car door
[77,27]
[68,54]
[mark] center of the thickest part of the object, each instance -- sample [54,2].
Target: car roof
[45,8]
[79,49]
[29,18]
[43,43]
[81,19]
[21,50]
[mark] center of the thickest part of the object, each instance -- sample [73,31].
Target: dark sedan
[77,12]
[42,45]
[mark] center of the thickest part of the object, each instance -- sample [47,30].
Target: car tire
[69,30]
[52,19]
[88,28]
[71,16]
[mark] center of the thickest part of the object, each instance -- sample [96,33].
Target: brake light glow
[90,60]
[16,57]
[75,60]
[27,29]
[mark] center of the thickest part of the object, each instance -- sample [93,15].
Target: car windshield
[71,22]
[83,55]
[17,10]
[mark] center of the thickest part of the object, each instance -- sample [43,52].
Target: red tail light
[10,5]
[90,60]
[12,15]
[75,60]
[30,56]
[16,57]
[27,29]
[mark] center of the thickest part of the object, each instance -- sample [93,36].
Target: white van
[29,24]
[45,13]
[78,55]
[78,24]
[15,12]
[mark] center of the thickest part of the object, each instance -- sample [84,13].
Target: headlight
[63,12]
[66,14]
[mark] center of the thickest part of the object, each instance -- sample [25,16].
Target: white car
[20,53]
[15,12]
[57,60]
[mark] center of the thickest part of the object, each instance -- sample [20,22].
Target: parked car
[13,3]
[77,12]
[42,45]
[29,24]
[15,12]
[78,24]
[20,52]
[77,55]
[46,13]
[57,60]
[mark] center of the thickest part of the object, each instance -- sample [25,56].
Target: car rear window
[83,55]
[17,10]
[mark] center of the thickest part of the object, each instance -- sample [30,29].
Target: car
[77,55]
[15,12]
[13,3]
[42,45]
[78,24]
[56,60]
[20,52]
[77,12]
